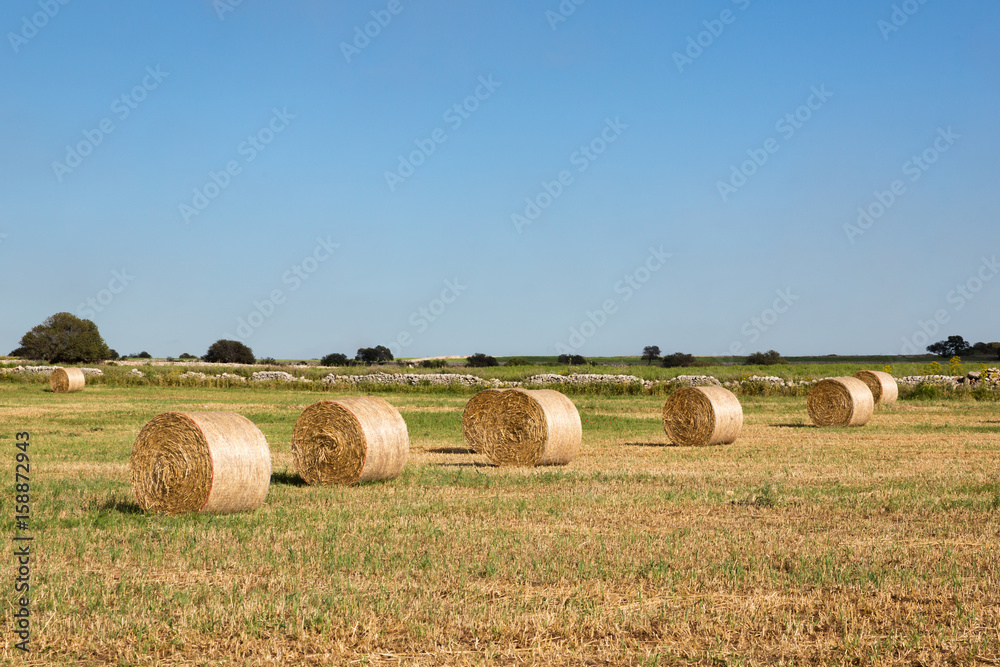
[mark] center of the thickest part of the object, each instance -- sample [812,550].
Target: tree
[334,359]
[187,356]
[480,360]
[229,352]
[650,353]
[769,358]
[678,359]
[63,338]
[955,346]
[374,355]
[572,360]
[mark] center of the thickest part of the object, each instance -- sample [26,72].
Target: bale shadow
[466,465]
[121,506]
[287,478]
[451,450]
[649,444]
[792,426]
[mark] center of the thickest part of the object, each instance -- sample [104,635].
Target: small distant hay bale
[885,391]
[65,380]
[845,401]
[212,462]
[697,416]
[350,440]
[523,427]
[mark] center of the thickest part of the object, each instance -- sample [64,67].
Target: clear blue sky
[612,119]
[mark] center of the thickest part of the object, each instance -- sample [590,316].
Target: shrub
[267,361]
[678,359]
[572,360]
[334,359]
[113,355]
[769,358]
[229,352]
[517,361]
[480,360]
[143,355]
[433,363]
[187,356]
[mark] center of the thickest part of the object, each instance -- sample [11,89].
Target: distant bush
[678,359]
[334,359]
[229,352]
[187,356]
[433,363]
[480,360]
[572,360]
[143,355]
[113,355]
[517,361]
[374,355]
[769,358]
[267,361]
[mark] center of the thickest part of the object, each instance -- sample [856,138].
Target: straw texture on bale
[350,440]
[523,427]
[64,380]
[843,401]
[885,391]
[695,416]
[213,462]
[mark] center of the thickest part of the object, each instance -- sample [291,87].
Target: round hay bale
[65,380]
[474,418]
[696,416]
[843,401]
[350,440]
[523,427]
[885,391]
[216,462]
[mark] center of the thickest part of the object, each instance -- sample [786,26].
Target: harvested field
[793,544]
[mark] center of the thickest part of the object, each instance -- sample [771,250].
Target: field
[795,545]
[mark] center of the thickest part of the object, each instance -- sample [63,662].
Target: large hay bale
[883,386]
[350,440]
[523,427]
[65,380]
[215,462]
[695,416]
[845,401]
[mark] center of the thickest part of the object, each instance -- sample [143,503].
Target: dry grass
[795,545]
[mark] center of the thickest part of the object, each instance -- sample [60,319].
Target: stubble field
[795,545]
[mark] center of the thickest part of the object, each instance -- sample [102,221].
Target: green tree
[955,346]
[374,355]
[229,352]
[64,338]
[650,353]
[678,359]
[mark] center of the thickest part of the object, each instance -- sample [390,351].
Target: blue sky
[508,178]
